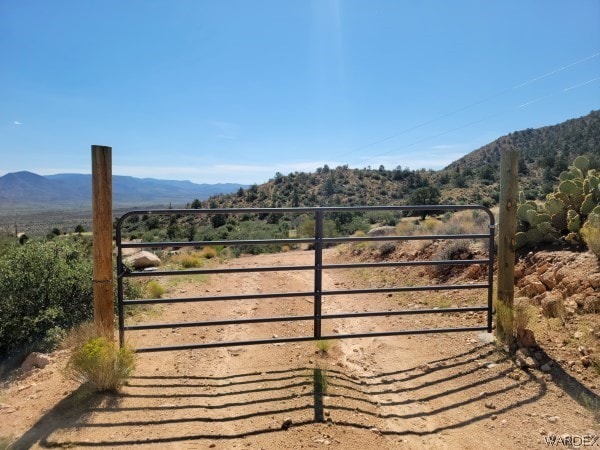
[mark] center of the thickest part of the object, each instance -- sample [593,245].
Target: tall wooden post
[507,229]
[104,315]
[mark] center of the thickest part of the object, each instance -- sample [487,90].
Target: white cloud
[16,122]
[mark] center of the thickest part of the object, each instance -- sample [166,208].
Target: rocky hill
[545,152]
[474,178]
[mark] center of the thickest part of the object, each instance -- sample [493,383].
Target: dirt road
[426,391]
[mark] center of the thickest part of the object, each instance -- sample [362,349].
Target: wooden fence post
[507,228]
[104,316]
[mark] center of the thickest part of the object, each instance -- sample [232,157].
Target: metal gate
[317,244]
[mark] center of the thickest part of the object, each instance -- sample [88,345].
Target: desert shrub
[407,227]
[323,346]
[209,252]
[386,249]
[254,230]
[5,443]
[45,287]
[101,363]
[522,316]
[430,225]
[187,261]
[453,250]
[154,289]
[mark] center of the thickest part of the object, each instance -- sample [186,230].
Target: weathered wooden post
[507,229]
[104,316]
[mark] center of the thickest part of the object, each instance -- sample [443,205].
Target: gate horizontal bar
[450,262]
[325,209]
[417,237]
[306,338]
[441,287]
[155,273]
[159,326]
[297,241]
[216,298]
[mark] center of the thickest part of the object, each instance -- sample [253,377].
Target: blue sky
[235,91]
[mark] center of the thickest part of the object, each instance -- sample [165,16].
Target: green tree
[425,196]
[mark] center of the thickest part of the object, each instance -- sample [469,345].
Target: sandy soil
[422,391]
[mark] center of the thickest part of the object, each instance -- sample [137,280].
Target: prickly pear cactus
[573,221]
[565,211]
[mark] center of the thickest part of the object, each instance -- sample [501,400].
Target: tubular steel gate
[317,243]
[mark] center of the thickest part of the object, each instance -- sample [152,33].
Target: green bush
[101,363]
[45,287]
[154,289]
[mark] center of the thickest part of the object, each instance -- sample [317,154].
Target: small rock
[35,359]
[578,335]
[525,338]
[586,361]
[546,368]
[426,368]
[553,419]
[490,405]
[522,359]
[493,417]
[287,422]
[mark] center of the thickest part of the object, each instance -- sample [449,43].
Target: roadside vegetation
[96,360]
[45,290]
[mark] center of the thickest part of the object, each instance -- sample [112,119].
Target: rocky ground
[452,390]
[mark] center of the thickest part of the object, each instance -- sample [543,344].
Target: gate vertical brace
[120,293]
[318,272]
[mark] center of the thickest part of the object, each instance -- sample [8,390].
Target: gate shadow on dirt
[171,409]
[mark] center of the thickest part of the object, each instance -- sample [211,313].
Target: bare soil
[451,390]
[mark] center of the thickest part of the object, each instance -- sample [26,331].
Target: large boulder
[35,359]
[382,231]
[143,260]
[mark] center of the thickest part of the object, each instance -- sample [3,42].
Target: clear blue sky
[235,91]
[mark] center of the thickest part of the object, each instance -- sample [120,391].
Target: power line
[470,105]
[488,117]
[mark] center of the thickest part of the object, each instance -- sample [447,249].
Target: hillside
[545,152]
[474,178]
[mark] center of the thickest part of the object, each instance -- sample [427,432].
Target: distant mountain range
[26,190]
